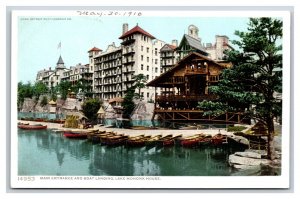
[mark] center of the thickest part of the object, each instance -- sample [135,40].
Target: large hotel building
[110,73]
[139,52]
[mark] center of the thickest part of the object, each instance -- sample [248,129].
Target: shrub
[90,108]
[235,128]
[44,101]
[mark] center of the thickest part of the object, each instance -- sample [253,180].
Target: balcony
[127,70]
[195,71]
[127,42]
[175,80]
[168,98]
[130,52]
[128,61]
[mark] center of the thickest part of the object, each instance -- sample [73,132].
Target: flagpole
[59,46]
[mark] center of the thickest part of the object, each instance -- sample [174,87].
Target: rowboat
[206,140]
[153,140]
[105,137]
[218,139]
[167,140]
[191,141]
[137,141]
[78,135]
[39,120]
[116,140]
[32,126]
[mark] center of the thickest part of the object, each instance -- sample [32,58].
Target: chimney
[174,42]
[125,27]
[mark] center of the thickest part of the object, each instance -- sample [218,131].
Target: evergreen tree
[251,84]
[128,104]
[140,81]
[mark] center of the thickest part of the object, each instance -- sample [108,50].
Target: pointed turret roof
[60,63]
[60,60]
[136,29]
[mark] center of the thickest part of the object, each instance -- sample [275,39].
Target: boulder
[246,167]
[234,159]
[240,139]
[248,155]
[261,152]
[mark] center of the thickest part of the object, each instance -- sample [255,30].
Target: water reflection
[48,153]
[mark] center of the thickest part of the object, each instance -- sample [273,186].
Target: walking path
[133,132]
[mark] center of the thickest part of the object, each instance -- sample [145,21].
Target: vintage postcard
[150,99]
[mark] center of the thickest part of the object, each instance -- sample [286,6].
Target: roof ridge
[135,29]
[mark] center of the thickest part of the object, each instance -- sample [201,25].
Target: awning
[52,102]
[101,111]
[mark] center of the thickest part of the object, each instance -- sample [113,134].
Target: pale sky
[38,39]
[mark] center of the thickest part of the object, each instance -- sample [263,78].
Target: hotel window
[147,95]
[147,68]
[142,67]
[142,57]
[142,94]
[156,69]
[155,51]
[142,48]
[147,59]
[147,49]
[155,61]
[147,77]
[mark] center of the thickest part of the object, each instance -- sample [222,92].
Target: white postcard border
[162,181]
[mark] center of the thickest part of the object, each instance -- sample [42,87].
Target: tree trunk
[270,141]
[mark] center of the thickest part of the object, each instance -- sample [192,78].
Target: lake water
[44,152]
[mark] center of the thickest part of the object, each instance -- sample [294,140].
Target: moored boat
[167,140]
[39,119]
[72,134]
[137,141]
[153,140]
[206,140]
[116,140]
[191,141]
[32,126]
[218,139]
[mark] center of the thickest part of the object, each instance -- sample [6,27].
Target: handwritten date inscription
[109,13]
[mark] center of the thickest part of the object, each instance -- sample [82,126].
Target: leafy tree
[128,104]
[39,88]
[90,108]
[24,91]
[140,81]
[251,84]
[83,86]
[63,88]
